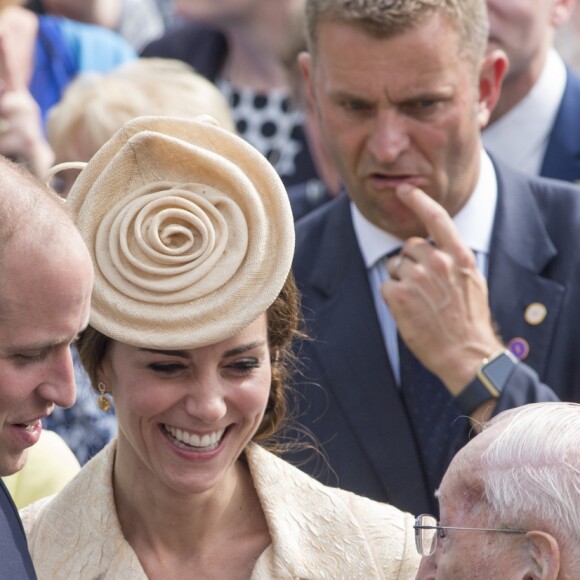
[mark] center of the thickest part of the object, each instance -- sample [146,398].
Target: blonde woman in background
[95,106]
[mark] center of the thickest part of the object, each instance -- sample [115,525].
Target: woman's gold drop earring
[102,401]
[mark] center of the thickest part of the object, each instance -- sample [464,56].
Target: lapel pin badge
[535,313]
[519,348]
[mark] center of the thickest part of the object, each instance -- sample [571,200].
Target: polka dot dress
[270,123]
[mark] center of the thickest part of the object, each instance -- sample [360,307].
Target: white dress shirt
[520,137]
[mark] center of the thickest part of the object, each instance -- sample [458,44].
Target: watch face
[499,370]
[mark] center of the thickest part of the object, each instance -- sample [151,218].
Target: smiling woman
[193,312]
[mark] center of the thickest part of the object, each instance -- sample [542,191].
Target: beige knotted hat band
[190,230]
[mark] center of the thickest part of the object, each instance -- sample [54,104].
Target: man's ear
[561,12]
[305,66]
[544,556]
[493,70]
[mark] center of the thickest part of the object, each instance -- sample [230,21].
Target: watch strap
[474,395]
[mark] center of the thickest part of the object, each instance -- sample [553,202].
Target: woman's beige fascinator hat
[190,230]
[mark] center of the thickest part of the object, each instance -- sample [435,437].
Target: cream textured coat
[317,532]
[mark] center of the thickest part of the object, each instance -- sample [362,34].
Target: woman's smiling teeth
[186,440]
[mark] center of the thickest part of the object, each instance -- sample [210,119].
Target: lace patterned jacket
[317,532]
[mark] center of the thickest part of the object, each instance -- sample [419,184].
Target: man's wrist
[492,377]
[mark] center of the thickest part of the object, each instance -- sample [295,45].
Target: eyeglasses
[427,530]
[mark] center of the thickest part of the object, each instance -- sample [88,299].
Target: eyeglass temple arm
[505,530]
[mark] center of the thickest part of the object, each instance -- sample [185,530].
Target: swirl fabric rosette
[190,230]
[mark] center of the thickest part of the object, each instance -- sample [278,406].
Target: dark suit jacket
[15,562]
[347,394]
[562,158]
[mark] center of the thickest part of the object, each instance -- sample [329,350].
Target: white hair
[531,471]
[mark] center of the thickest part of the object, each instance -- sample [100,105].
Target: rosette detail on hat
[190,230]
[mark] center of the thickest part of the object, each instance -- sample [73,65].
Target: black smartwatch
[492,377]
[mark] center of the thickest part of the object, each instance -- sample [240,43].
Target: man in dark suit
[535,126]
[475,262]
[46,278]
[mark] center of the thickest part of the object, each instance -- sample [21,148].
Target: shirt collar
[521,135]
[474,221]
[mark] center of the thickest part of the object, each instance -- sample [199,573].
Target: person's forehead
[461,492]
[420,56]
[52,253]
[462,488]
[428,49]
[464,479]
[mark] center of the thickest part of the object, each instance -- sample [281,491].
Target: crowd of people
[294,282]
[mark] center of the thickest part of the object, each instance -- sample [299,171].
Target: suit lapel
[521,251]
[356,366]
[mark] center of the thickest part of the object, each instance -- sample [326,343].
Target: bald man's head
[29,211]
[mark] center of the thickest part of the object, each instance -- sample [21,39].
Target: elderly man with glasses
[510,501]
